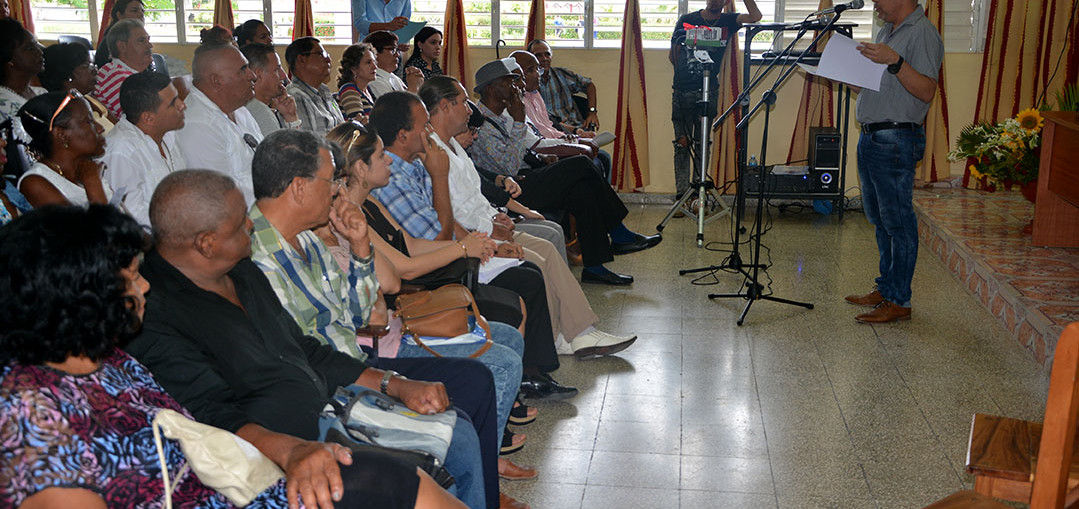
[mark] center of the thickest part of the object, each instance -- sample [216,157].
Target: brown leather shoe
[870,299]
[511,471]
[885,312]
[507,502]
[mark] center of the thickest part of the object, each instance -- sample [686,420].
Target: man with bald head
[218,131]
[217,339]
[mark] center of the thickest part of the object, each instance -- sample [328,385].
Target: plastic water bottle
[752,162]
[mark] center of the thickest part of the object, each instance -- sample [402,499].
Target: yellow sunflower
[1030,119]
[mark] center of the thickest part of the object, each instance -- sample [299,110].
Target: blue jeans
[886,161]
[503,359]
[463,461]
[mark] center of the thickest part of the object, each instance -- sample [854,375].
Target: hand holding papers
[407,32]
[842,61]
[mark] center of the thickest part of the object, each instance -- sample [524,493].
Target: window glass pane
[332,24]
[477,18]
[199,14]
[160,20]
[657,23]
[514,21]
[282,12]
[565,23]
[53,18]
[431,11]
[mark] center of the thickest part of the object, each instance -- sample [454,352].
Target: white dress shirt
[470,208]
[134,166]
[209,140]
[385,81]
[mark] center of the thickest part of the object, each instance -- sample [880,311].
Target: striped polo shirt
[109,79]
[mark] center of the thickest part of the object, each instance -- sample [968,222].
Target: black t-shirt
[686,79]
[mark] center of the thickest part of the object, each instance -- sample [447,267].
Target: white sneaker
[598,343]
[561,346]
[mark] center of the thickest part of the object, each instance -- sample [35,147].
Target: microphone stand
[753,289]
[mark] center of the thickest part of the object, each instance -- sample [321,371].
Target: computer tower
[824,157]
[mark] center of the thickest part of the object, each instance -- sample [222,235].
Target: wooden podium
[1056,212]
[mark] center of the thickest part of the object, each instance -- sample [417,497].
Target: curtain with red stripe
[537,27]
[723,163]
[455,44]
[935,166]
[816,108]
[223,14]
[1030,53]
[106,20]
[303,23]
[630,157]
[20,11]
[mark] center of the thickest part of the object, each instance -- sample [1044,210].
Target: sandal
[522,414]
[509,445]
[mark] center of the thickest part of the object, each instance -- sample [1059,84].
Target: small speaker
[824,156]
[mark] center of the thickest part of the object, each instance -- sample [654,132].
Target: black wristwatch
[894,68]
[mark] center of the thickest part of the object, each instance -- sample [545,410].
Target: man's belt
[883,126]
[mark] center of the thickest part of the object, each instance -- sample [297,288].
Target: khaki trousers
[570,312]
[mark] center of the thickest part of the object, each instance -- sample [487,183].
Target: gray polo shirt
[919,43]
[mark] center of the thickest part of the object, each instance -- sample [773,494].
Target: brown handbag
[441,313]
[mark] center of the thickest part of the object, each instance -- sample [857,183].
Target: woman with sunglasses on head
[426,52]
[66,139]
[68,67]
[20,60]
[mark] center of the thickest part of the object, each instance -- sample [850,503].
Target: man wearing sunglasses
[310,65]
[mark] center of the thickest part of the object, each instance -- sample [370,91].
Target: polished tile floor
[796,408]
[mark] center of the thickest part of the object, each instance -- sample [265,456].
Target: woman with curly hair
[357,71]
[68,67]
[66,139]
[76,411]
[426,51]
[20,60]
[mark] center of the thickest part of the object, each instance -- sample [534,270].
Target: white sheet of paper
[493,267]
[841,61]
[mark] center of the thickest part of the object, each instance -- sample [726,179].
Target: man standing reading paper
[891,144]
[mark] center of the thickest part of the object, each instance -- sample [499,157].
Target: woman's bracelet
[464,249]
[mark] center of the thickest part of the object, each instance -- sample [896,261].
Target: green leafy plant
[1068,98]
[1005,153]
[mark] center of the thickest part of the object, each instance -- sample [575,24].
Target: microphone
[853,4]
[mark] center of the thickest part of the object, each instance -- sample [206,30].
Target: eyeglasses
[73,94]
[337,183]
[317,52]
[391,49]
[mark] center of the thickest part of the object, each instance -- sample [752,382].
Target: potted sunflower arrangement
[1004,154]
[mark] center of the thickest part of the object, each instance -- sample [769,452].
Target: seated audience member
[5,9]
[216,34]
[122,9]
[268,381]
[569,184]
[370,16]
[218,131]
[252,31]
[310,68]
[8,209]
[369,166]
[387,56]
[536,114]
[296,191]
[356,73]
[68,67]
[557,85]
[426,52]
[80,266]
[131,53]
[272,106]
[571,315]
[417,197]
[141,150]
[20,60]
[66,139]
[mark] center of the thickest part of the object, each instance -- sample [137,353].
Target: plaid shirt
[557,88]
[501,144]
[328,304]
[410,198]
[316,107]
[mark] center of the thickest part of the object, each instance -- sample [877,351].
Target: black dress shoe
[607,278]
[639,243]
[545,387]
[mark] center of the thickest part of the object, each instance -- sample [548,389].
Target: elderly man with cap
[570,184]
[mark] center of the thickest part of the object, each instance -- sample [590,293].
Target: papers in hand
[495,266]
[841,61]
[407,32]
[602,139]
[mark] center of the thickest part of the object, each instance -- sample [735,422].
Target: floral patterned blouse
[93,432]
[418,62]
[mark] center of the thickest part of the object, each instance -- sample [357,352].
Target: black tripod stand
[702,183]
[753,290]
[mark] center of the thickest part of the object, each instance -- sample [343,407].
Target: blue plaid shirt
[409,198]
[557,88]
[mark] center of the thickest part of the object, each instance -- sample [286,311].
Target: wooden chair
[1002,455]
